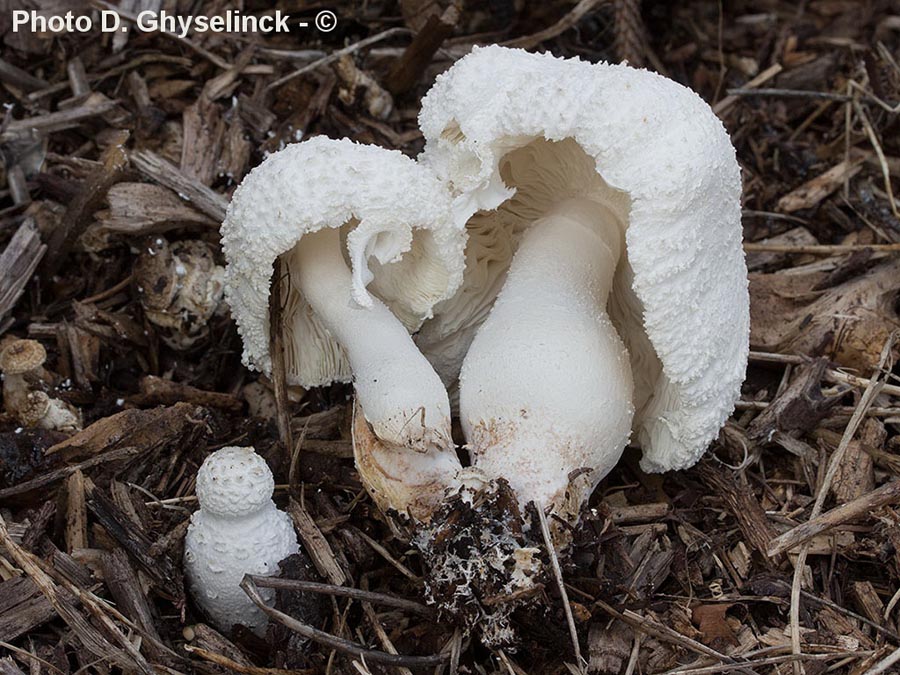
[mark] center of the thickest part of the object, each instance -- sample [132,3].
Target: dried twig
[380,632]
[232,665]
[18,262]
[629,32]
[769,661]
[722,106]
[337,643]
[277,298]
[825,602]
[335,55]
[384,553]
[343,591]
[560,584]
[788,93]
[20,78]
[821,249]
[886,664]
[80,211]
[813,191]
[831,375]
[163,172]
[56,121]
[885,171]
[59,474]
[90,637]
[568,21]
[316,545]
[663,632]
[159,391]
[823,490]
[418,54]
[888,493]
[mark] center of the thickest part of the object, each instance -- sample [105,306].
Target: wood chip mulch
[779,552]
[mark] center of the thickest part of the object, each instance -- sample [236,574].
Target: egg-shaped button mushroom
[364,240]
[605,291]
[22,365]
[237,531]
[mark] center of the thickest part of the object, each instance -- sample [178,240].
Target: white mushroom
[237,531]
[362,234]
[605,202]
[546,386]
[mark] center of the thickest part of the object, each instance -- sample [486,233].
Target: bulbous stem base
[546,388]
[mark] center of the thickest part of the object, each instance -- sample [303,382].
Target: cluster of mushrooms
[25,386]
[561,267]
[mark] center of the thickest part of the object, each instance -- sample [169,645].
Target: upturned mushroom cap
[390,211]
[234,481]
[513,133]
[22,356]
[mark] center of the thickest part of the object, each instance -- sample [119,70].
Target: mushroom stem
[399,392]
[546,387]
[15,393]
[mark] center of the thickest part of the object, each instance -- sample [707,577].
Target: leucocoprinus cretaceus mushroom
[236,531]
[363,234]
[605,295]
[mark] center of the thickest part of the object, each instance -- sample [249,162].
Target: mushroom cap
[393,213]
[503,127]
[234,481]
[41,410]
[22,356]
[37,404]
